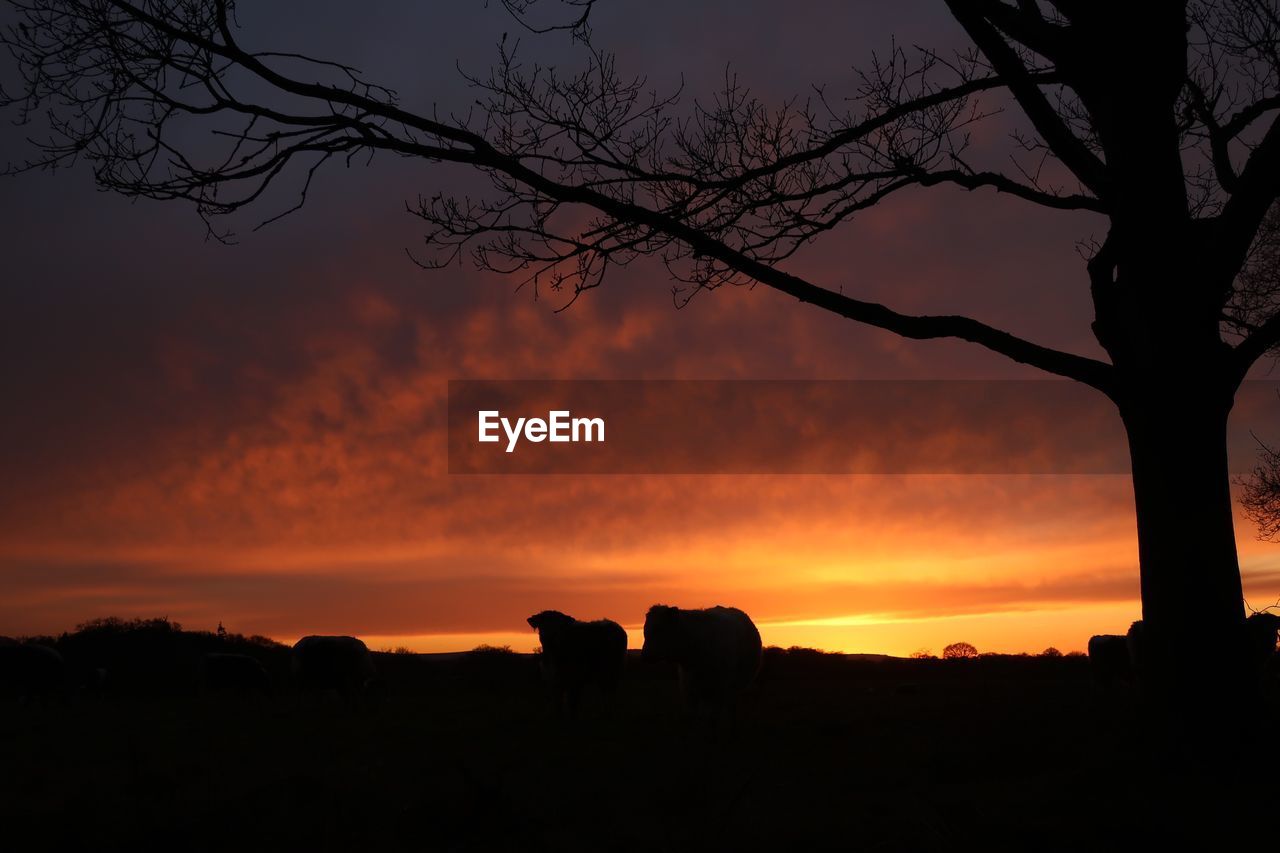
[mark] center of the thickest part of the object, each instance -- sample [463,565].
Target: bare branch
[1049,123]
[1261,496]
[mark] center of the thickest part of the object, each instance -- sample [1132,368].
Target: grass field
[465,754]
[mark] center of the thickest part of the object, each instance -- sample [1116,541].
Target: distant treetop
[960,650]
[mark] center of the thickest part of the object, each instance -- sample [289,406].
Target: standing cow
[32,672]
[576,655]
[717,651]
[1109,659]
[340,664]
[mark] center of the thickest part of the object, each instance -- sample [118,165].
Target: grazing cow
[234,673]
[1109,659]
[33,672]
[340,664]
[576,655]
[717,651]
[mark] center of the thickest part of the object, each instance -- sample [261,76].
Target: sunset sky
[255,434]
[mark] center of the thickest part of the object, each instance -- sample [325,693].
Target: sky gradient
[255,434]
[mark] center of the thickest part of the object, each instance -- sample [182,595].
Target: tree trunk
[1192,652]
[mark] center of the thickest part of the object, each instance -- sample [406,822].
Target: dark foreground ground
[464,754]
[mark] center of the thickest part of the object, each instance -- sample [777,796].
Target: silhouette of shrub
[486,649]
[801,662]
[959,651]
[157,655]
[495,666]
[1051,652]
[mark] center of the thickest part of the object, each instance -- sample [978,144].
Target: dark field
[463,753]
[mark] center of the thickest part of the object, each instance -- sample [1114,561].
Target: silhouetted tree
[1051,652]
[959,650]
[1158,117]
